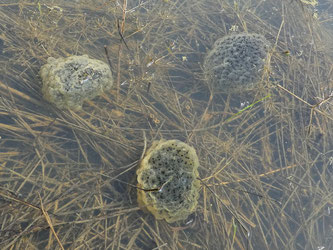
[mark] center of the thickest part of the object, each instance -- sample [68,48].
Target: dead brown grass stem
[122,29]
[49,222]
[12,198]
[260,175]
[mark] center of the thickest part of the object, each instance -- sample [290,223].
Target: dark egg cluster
[236,62]
[170,170]
[171,173]
[68,82]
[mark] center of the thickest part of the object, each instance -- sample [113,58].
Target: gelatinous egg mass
[236,62]
[168,174]
[68,82]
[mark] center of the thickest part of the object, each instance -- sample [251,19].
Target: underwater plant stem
[122,27]
[314,107]
[235,215]
[121,36]
[49,222]
[202,117]
[107,57]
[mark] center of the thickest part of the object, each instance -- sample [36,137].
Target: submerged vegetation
[68,178]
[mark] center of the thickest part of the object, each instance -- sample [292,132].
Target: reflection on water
[265,155]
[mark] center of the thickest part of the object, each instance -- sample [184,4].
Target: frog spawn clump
[169,176]
[236,62]
[68,82]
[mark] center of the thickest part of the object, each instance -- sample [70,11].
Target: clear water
[265,155]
